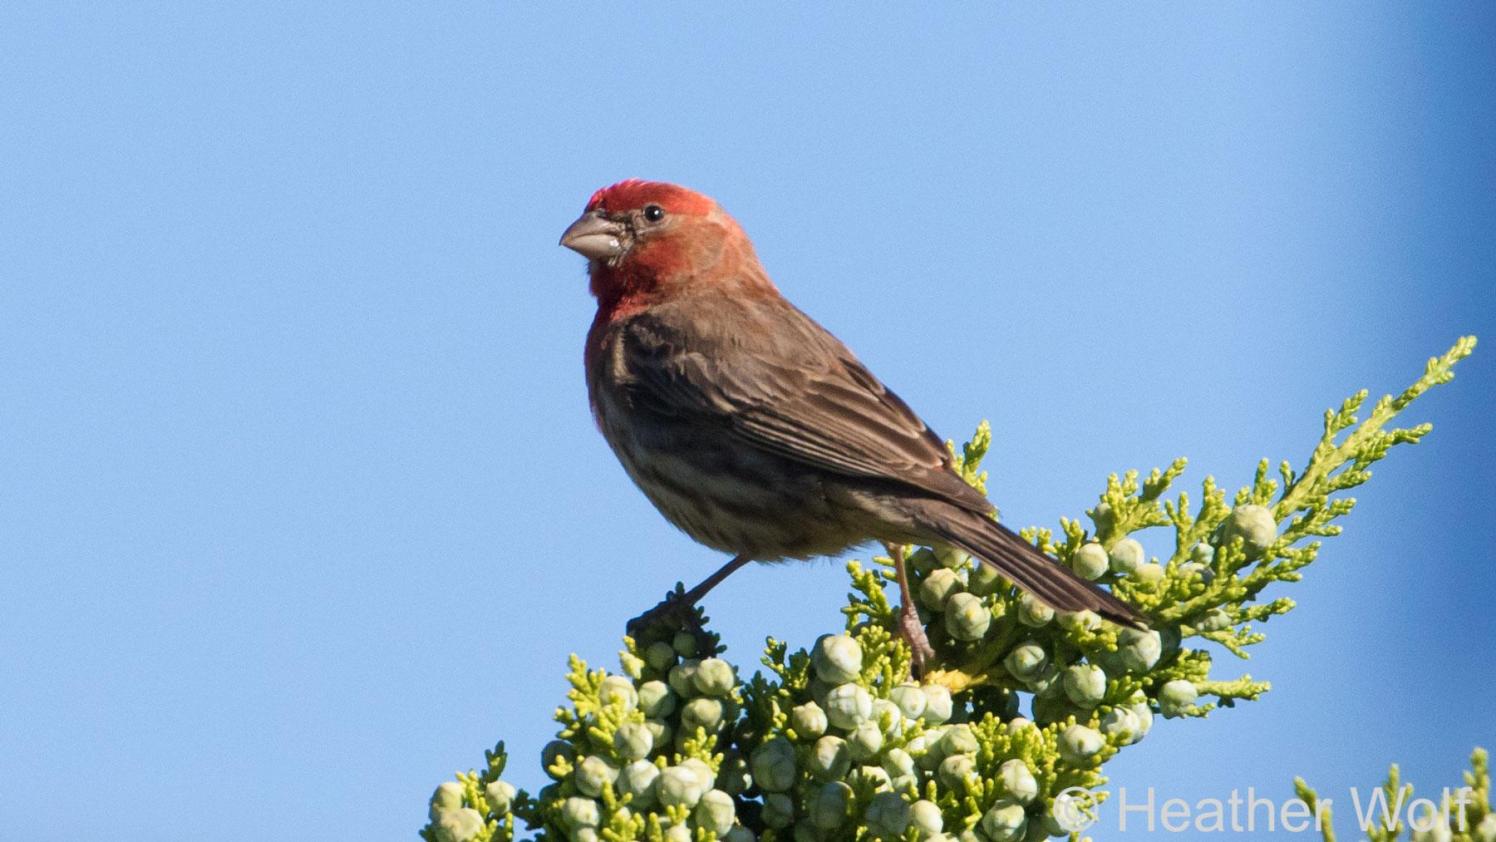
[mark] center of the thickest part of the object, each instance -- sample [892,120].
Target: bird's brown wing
[771,377]
[765,375]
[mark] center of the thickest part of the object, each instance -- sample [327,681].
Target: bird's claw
[913,633]
[672,610]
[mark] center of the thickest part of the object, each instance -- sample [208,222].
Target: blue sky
[302,505]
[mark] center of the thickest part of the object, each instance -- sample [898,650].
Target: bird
[756,431]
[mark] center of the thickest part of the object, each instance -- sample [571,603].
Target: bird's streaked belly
[726,494]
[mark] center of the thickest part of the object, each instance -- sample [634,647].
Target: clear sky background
[302,507]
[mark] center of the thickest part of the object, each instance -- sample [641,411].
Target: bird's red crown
[634,193]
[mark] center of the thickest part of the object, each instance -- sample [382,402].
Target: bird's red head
[648,240]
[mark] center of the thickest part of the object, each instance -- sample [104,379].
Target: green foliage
[1462,814]
[1021,704]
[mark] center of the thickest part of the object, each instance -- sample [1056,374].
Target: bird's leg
[910,627]
[680,605]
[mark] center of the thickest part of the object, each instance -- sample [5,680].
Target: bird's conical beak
[595,236]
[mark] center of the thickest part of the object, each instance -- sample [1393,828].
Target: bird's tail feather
[1052,583]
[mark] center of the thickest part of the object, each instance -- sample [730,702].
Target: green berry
[578,813]
[1121,722]
[837,658]
[715,812]
[779,810]
[926,818]
[938,587]
[660,730]
[704,774]
[848,705]
[925,749]
[656,699]
[1125,556]
[959,739]
[898,762]
[684,644]
[828,806]
[938,703]
[1254,525]
[1144,716]
[593,774]
[966,618]
[500,797]
[714,677]
[1032,612]
[773,765]
[1176,697]
[830,758]
[808,720]
[922,560]
[638,780]
[1026,660]
[1486,830]
[910,699]
[679,785]
[448,796]
[1090,561]
[1076,621]
[950,558]
[1149,574]
[739,834]
[866,740]
[682,678]
[1017,782]
[1214,620]
[1079,744]
[702,712]
[633,741]
[1055,708]
[660,655]
[458,825]
[618,690]
[1202,553]
[955,769]
[984,580]
[1005,822]
[1084,684]
[887,816]
[1137,650]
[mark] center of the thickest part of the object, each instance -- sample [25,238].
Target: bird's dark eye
[654,213]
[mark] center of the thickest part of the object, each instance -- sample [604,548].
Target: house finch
[752,428]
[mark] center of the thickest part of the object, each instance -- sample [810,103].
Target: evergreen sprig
[1460,815]
[1005,738]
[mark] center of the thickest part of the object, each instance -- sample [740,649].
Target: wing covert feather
[772,378]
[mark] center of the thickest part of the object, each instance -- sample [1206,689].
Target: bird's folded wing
[808,399]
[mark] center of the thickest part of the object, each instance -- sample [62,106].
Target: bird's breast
[722,492]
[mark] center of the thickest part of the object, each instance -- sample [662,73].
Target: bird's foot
[913,633]
[676,612]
